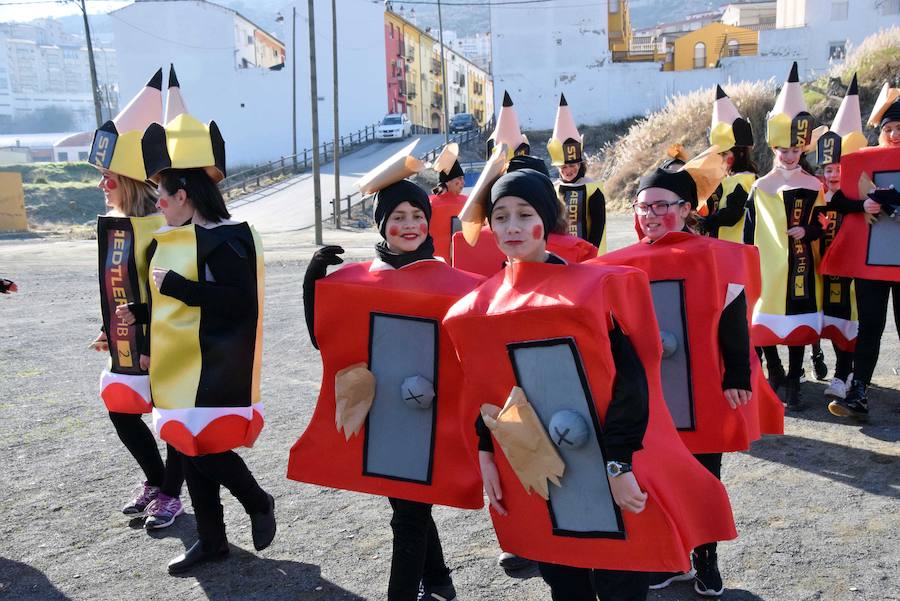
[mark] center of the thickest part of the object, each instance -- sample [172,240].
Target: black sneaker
[437,593]
[708,581]
[793,397]
[819,367]
[855,405]
[660,580]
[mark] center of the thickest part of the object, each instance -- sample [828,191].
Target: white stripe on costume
[195,419]
[139,384]
[782,325]
[734,291]
[847,328]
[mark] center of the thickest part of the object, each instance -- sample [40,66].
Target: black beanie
[388,198]
[527,161]
[455,171]
[891,114]
[533,187]
[679,182]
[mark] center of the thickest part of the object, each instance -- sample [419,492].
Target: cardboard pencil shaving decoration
[525,443]
[886,98]
[397,167]
[845,136]
[445,161]
[566,146]
[475,211]
[507,131]
[728,129]
[354,391]
[117,143]
[707,169]
[184,142]
[789,123]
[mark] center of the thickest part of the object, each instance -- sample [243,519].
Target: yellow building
[702,49]
[619,28]
[415,77]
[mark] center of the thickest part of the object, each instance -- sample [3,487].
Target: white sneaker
[837,389]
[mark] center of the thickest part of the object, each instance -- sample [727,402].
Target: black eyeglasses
[657,208]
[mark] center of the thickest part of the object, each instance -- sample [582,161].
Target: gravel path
[817,509]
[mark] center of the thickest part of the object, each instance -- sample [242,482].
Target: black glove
[888,198]
[318,267]
[7,286]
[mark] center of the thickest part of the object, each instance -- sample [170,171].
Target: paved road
[288,206]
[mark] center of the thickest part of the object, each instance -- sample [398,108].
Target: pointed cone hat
[566,145]
[846,134]
[789,123]
[447,165]
[707,169]
[475,211]
[184,142]
[174,100]
[117,143]
[886,101]
[728,129]
[507,130]
[398,166]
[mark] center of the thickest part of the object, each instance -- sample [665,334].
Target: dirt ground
[817,509]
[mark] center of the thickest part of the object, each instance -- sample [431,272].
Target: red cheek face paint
[423,228]
[111,184]
[669,221]
[163,203]
[393,230]
[537,232]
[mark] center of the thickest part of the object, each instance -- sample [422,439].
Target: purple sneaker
[163,511]
[138,505]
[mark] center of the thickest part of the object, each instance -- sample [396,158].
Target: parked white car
[395,126]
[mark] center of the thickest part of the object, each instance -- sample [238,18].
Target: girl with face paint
[131,219]
[522,210]
[405,280]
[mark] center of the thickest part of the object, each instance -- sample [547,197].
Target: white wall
[253,106]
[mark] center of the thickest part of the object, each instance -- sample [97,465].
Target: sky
[25,10]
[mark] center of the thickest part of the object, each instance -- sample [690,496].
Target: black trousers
[871,302]
[795,359]
[417,553]
[135,434]
[581,584]
[205,475]
[713,464]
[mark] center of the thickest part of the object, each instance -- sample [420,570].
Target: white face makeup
[518,230]
[660,211]
[406,228]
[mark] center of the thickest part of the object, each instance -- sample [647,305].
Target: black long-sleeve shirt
[734,344]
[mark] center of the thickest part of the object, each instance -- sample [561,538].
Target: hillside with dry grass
[685,118]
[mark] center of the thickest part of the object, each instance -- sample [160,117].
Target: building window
[839,10]
[890,7]
[734,49]
[699,55]
[837,51]
[82,155]
[62,156]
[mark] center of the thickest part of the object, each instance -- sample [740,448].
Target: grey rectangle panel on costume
[884,240]
[675,370]
[552,377]
[399,439]
[455,225]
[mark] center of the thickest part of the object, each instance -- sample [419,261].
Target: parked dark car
[462,122]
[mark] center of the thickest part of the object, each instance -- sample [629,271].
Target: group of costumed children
[492,345]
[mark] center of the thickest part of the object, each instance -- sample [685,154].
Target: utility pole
[314,99]
[294,81]
[337,143]
[444,76]
[90,50]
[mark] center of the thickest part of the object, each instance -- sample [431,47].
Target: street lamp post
[444,76]
[314,100]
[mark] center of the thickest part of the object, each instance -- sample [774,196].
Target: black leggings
[581,584]
[871,302]
[417,554]
[844,363]
[713,463]
[135,434]
[205,474]
[795,360]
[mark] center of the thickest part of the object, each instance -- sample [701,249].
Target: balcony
[437,101]
[435,66]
